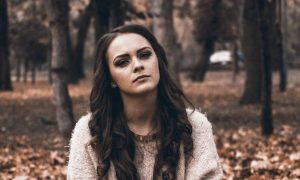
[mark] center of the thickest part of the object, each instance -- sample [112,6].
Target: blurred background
[237,60]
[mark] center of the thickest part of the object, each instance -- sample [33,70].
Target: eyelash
[143,55]
[121,63]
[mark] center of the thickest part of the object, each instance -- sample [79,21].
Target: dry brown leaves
[246,154]
[20,159]
[31,148]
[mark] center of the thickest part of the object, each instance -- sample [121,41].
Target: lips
[140,77]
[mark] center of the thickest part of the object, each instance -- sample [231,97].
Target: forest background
[237,60]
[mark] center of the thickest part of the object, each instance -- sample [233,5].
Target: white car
[220,57]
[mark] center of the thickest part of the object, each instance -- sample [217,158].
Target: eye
[145,54]
[121,62]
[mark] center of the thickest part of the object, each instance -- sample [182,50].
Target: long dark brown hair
[112,139]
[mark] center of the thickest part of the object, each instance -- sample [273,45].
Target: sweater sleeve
[205,161]
[80,164]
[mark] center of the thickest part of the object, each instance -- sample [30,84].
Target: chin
[146,89]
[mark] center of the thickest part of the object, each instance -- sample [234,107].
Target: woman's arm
[80,165]
[205,163]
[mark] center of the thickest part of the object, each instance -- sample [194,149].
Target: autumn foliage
[32,148]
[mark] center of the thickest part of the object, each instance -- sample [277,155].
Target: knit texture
[203,165]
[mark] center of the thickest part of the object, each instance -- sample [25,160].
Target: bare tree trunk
[252,50]
[49,54]
[276,42]
[72,64]
[33,69]
[101,22]
[169,40]
[108,15]
[235,61]
[236,57]
[281,26]
[26,66]
[84,22]
[199,70]
[264,16]
[155,10]
[117,14]
[18,69]
[298,47]
[62,16]
[206,35]
[5,81]
[58,15]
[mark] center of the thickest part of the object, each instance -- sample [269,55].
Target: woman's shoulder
[82,129]
[205,162]
[198,120]
[82,160]
[83,120]
[82,123]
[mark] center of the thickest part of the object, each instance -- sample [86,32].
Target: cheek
[120,77]
[116,76]
[156,71]
[114,73]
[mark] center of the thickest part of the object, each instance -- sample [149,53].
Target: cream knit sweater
[204,164]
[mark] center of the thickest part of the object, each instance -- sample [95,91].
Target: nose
[138,66]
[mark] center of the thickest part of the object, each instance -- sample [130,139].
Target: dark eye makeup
[145,54]
[123,60]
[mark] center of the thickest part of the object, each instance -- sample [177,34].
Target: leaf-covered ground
[31,147]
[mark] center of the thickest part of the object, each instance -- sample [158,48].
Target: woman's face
[133,64]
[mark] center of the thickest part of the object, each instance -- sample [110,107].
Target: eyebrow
[125,54]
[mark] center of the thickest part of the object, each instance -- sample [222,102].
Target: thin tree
[276,42]
[235,60]
[101,21]
[58,15]
[251,48]
[264,9]
[117,14]
[108,15]
[281,29]
[83,25]
[215,21]
[206,20]
[162,27]
[5,81]
[235,52]
[169,39]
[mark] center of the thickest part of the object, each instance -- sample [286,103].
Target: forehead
[126,43]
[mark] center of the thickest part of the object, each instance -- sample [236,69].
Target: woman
[138,126]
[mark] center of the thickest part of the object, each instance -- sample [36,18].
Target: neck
[140,112]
